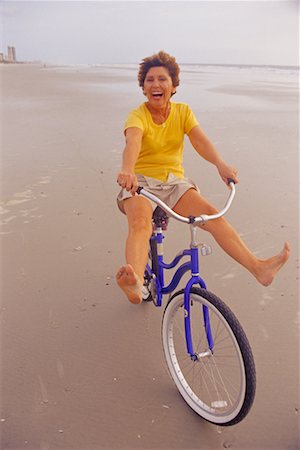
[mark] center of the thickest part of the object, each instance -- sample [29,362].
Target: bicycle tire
[219,387]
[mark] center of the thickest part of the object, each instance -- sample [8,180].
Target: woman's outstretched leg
[130,276]
[192,203]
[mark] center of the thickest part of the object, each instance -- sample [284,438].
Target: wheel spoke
[215,384]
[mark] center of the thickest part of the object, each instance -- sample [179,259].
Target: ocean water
[286,74]
[206,87]
[292,70]
[219,68]
[246,80]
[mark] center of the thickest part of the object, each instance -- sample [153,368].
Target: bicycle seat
[160,218]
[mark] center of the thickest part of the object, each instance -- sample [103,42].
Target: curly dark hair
[160,59]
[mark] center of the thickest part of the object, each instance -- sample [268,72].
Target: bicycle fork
[196,280]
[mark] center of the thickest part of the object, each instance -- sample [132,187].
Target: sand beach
[82,368]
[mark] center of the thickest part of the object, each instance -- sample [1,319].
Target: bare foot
[130,283]
[269,267]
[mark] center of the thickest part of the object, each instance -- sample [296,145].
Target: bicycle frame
[195,279]
[192,265]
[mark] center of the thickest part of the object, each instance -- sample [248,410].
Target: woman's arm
[126,177]
[206,149]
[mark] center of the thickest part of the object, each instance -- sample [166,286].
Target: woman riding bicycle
[152,158]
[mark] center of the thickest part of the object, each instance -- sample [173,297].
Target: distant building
[10,57]
[11,54]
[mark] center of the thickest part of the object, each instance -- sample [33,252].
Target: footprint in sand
[20,198]
[45,180]
[3,210]
[14,202]
[23,197]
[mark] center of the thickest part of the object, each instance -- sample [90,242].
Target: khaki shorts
[169,191]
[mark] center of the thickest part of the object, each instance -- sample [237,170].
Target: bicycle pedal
[146,294]
[205,249]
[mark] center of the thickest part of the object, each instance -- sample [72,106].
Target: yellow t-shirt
[162,145]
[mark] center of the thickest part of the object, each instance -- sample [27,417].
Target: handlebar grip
[230,180]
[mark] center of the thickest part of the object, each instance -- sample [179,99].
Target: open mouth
[157,94]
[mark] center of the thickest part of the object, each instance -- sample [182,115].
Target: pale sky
[91,32]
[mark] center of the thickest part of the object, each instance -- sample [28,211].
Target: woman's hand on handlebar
[128,181]
[227,172]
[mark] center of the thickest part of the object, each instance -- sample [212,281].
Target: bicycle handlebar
[203,218]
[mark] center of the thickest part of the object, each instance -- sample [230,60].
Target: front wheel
[219,384]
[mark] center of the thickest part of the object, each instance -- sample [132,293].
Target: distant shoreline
[134,66]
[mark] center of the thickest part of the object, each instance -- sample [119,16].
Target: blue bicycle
[206,350]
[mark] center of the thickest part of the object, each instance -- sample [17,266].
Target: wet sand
[81,368]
